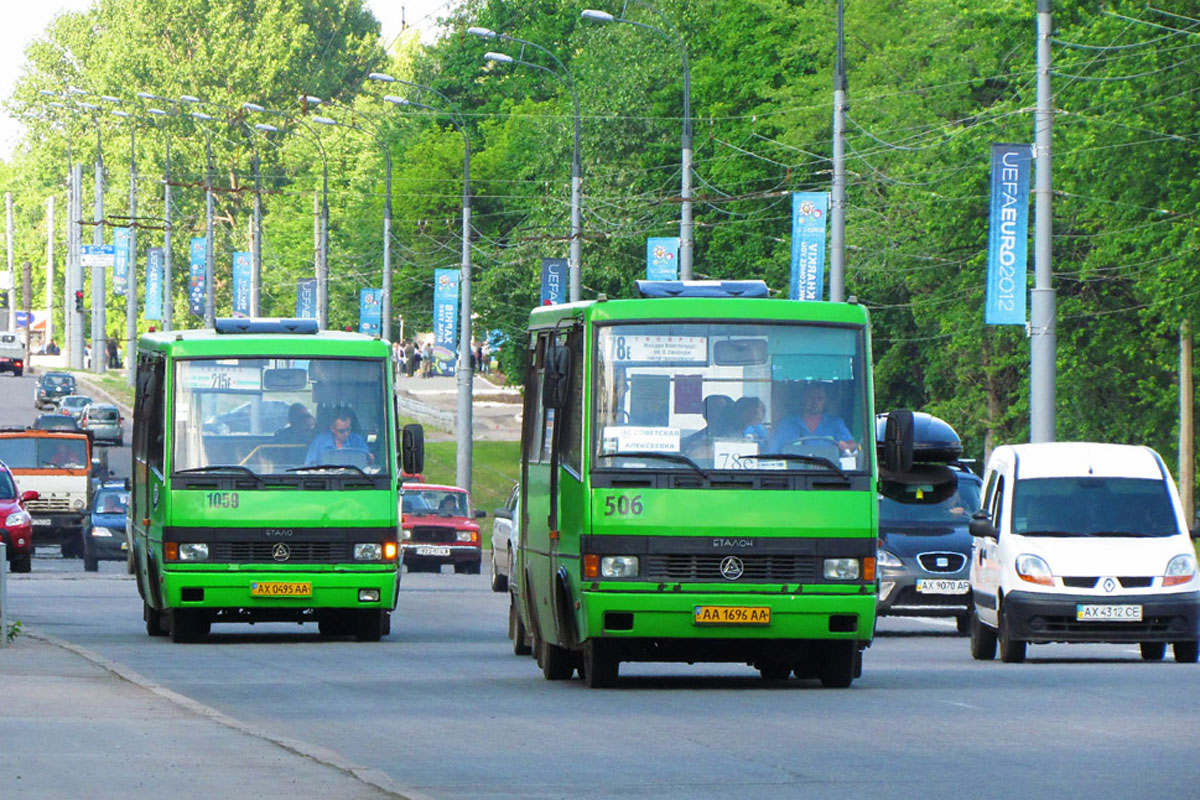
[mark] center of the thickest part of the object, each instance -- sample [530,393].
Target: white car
[504,540]
[1082,542]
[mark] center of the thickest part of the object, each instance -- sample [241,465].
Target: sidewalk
[77,725]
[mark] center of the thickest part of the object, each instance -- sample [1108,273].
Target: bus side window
[154,410]
[571,440]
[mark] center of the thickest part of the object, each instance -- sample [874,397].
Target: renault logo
[281,552]
[731,568]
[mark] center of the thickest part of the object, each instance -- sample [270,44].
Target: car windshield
[686,396]
[110,501]
[29,452]
[435,502]
[905,504]
[1092,506]
[8,489]
[275,415]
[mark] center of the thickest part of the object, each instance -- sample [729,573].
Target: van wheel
[1186,652]
[1011,650]
[1153,651]
[983,640]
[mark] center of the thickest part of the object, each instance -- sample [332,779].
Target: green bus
[698,483]
[266,480]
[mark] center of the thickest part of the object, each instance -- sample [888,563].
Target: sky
[25,21]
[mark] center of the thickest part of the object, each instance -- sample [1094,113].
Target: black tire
[475,567]
[600,664]
[556,662]
[1012,651]
[1186,652]
[983,640]
[499,582]
[333,625]
[187,626]
[838,664]
[90,562]
[22,563]
[369,625]
[962,623]
[517,632]
[774,671]
[154,626]
[1153,651]
[462,569]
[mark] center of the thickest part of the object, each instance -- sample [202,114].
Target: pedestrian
[427,360]
[411,358]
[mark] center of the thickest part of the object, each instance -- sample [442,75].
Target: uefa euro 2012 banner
[1008,235]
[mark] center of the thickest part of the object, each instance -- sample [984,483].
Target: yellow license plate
[280,589]
[731,615]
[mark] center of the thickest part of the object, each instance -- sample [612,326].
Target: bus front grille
[707,568]
[266,552]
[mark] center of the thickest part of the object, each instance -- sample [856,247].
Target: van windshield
[1091,506]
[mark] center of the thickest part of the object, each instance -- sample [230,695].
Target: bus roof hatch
[702,288]
[266,325]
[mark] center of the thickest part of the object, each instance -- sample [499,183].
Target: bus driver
[338,437]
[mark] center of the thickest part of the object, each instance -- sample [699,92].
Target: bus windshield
[731,396]
[279,415]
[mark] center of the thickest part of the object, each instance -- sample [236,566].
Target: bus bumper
[205,589]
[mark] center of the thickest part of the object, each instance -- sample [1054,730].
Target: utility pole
[837,215]
[168,277]
[74,268]
[49,269]
[256,244]
[98,289]
[131,282]
[1187,428]
[12,276]
[1042,301]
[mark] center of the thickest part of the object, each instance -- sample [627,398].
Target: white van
[1082,542]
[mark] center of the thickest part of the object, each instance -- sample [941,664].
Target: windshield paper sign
[1008,235]
[632,439]
[645,349]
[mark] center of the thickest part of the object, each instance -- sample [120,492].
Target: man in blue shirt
[811,422]
[338,437]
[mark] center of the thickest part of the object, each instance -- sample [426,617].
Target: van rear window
[1091,506]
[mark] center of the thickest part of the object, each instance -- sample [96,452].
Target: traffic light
[79,300]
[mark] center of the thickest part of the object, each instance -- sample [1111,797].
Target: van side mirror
[556,381]
[981,525]
[898,441]
[412,449]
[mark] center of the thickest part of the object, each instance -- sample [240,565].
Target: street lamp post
[564,76]
[686,237]
[210,296]
[131,265]
[98,282]
[72,319]
[463,371]
[168,305]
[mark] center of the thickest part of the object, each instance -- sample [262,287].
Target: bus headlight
[370,551]
[841,569]
[193,551]
[619,567]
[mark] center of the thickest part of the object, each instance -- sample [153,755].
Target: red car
[16,526]
[439,527]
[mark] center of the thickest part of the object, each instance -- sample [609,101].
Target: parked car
[55,422]
[52,387]
[17,529]
[1082,542]
[924,545]
[438,527]
[74,404]
[505,525]
[12,354]
[105,422]
[104,529]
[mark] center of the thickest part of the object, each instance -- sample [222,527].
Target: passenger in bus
[811,423]
[720,421]
[300,427]
[339,437]
[749,412]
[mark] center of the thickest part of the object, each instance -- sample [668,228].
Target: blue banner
[241,284]
[809,210]
[445,319]
[154,282]
[370,311]
[306,298]
[662,258]
[1008,235]
[196,290]
[121,259]
[554,281]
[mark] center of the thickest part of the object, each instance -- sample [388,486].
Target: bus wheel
[153,620]
[774,670]
[369,625]
[838,664]
[557,664]
[600,664]
[187,626]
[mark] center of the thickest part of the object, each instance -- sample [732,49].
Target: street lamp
[563,75]
[131,263]
[386,310]
[210,306]
[72,278]
[99,334]
[168,279]
[463,371]
[686,240]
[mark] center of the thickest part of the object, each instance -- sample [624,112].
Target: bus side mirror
[898,441]
[556,381]
[412,449]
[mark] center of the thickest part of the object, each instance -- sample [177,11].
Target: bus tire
[773,670]
[838,664]
[186,625]
[368,627]
[153,619]
[600,664]
[556,662]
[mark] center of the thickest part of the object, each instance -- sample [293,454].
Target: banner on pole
[241,284]
[1008,235]
[154,282]
[445,320]
[809,210]
[662,258]
[554,281]
[306,298]
[196,288]
[121,258]
[370,311]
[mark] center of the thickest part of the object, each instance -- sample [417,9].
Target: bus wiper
[678,457]
[314,467]
[219,468]
[820,461]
